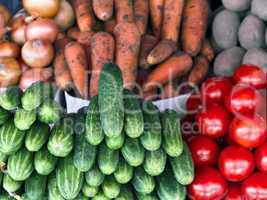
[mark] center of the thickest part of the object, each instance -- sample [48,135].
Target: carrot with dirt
[194,25]
[124,11]
[128,41]
[141,12]
[207,50]
[172,17]
[110,25]
[103,49]
[75,56]
[156,15]
[199,71]
[103,9]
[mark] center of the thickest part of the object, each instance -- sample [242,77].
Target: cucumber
[89,191]
[133,152]
[115,142]
[134,119]
[172,137]
[155,162]
[11,138]
[183,167]
[142,182]
[125,193]
[4,115]
[24,119]
[94,177]
[11,185]
[81,197]
[10,99]
[100,196]
[108,159]
[44,162]
[124,172]
[37,136]
[110,187]
[50,112]
[3,157]
[110,100]
[35,186]
[151,138]
[94,131]
[5,197]
[69,179]
[20,165]
[53,191]
[151,196]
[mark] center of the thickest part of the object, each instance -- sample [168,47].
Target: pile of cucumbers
[118,147]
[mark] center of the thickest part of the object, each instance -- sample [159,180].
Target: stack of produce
[116,148]
[230,151]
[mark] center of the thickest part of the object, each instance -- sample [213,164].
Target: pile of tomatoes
[230,146]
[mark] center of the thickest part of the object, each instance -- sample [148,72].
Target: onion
[18,25]
[9,49]
[37,53]
[42,8]
[23,66]
[9,72]
[42,29]
[65,17]
[5,15]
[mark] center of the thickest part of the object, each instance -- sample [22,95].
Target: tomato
[214,121]
[204,151]
[248,133]
[207,185]
[194,104]
[234,192]
[261,158]
[215,89]
[255,187]
[244,101]
[236,163]
[251,75]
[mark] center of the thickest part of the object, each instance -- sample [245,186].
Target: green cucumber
[35,186]
[4,115]
[3,157]
[81,197]
[6,197]
[142,182]
[115,142]
[125,193]
[151,196]
[111,187]
[124,172]
[89,191]
[94,177]
[24,119]
[10,99]
[50,112]
[53,191]
[11,185]
[100,196]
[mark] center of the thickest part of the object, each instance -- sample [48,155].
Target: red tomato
[251,75]
[234,192]
[236,163]
[194,104]
[215,89]
[204,151]
[244,101]
[255,187]
[207,185]
[248,133]
[214,122]
[261,158]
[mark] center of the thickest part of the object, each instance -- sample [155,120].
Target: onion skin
[9,72]
[9,49]
[42,8]
[37,53]
[42,29]
[23,66]
[18,29]
[65,17]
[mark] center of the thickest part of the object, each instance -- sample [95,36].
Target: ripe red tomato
[214,121]
[248,133]
[255,187]
[234,192]
[236,163]
[244,101]
[194,104]
[204,151]
[207,185]
[261,158]
[215,89]
[251,75]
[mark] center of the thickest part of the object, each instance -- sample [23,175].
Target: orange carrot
[61,41]
[128,41]
[168,91]
[141,12]
[103,49]
[194,25]
[124,11]
[156,15]
[110,25]
[207,50]
[150,95]
[103,9]
[76,59]
[73,33]
[199,71]
[161,52]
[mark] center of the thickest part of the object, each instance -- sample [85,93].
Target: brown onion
[42,29]
[5,15]
[9,49]
[18,25]
[31,76]
[37,53]
[42,8]
[9,72]
[65,17]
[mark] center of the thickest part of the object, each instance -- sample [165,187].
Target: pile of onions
[65,17]
[18,26]
[9,72]
[9,49]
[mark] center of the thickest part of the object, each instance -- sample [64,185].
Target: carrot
[161,52]
[194,25]
[110,25]
[103,49]
[150,95]
[76,59]
[156,15]
[168,91]
[61,41]
[103,9]
[207,50]
[84,15]
[73,33]
[172,17]
[128,40]
[199,71]
[124,11]
[141,12]
[148,42]
[174,67]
